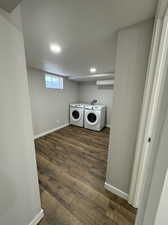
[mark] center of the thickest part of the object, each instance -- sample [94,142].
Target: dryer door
[92,117]
[76,114]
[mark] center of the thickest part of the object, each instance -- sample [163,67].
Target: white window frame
[61,81]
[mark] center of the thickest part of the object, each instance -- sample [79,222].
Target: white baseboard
[108,125]
[116,191]
[50,131]
[37,218]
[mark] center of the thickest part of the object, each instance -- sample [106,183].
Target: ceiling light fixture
[93,70]
[55,48]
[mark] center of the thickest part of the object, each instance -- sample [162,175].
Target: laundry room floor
[72,168]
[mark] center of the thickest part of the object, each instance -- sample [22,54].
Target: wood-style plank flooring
[72,167]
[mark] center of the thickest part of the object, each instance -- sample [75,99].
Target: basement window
[55,82]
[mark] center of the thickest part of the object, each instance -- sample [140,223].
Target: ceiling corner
[9,5]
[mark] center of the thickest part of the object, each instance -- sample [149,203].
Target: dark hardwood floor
[72,167]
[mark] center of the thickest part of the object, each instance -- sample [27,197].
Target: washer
[94,117]
[77,114]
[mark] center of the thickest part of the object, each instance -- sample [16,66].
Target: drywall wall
[50,107]
[104,94]
[19,189]
[131,64]
[14,17]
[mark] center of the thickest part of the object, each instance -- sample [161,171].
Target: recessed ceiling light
[93,70]
[55,48]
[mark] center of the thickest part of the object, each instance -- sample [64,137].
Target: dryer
[77,114]
[94,118]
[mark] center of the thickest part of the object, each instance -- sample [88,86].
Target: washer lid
[89,107]
[77,105]
[94,107]
[98,107]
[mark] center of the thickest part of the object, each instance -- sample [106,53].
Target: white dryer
[77,114]
[95,117]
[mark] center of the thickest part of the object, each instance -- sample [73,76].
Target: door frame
[150,108]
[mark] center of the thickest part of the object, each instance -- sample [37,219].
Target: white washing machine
[95,117]
[77,114]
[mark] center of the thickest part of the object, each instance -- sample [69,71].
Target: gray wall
[50,107]
[19,190]
[131,64]
[104,94]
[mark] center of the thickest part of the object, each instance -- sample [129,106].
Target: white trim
[50,131]
[146,153]
[144,113]
[151,126]
[37,218]
[116,191]
[108,125]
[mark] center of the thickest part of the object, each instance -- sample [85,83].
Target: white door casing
[152,99]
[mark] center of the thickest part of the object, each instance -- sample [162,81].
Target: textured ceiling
[86,30]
